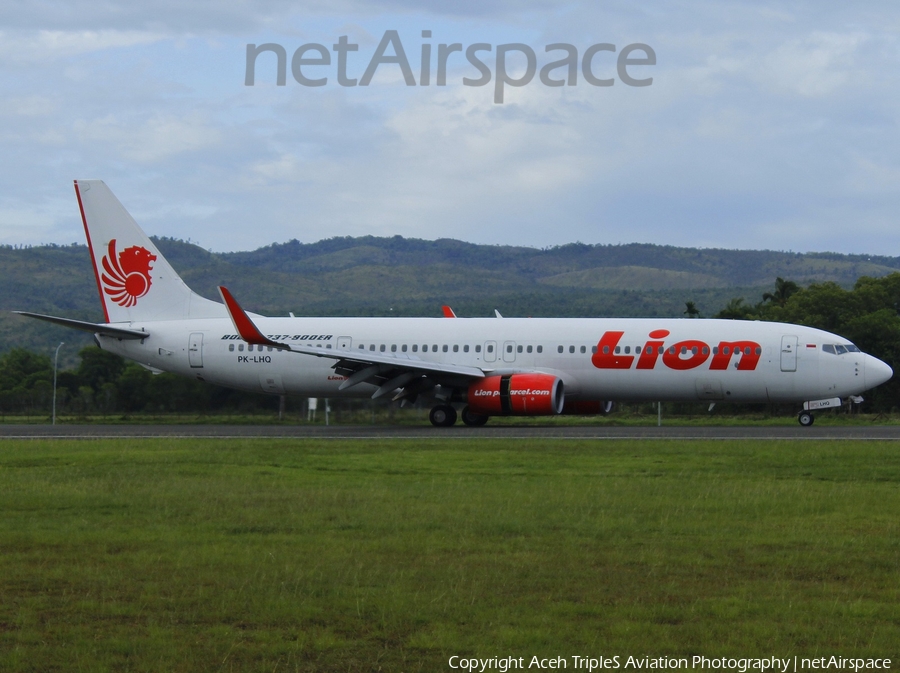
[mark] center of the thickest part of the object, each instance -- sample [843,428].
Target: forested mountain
[397,276]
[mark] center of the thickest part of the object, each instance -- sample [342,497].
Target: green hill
[373,276]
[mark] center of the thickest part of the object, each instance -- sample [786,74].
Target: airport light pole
[55,363]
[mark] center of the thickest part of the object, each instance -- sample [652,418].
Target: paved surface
[880,432]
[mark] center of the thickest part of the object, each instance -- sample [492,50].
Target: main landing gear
[472,419]
[806,419]
[443,416]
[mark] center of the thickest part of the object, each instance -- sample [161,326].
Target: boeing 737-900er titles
[483,366]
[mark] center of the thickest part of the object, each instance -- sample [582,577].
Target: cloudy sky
[767,125]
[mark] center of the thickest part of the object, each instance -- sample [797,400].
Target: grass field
[194,555]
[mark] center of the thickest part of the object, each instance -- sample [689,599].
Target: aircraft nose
[877,372]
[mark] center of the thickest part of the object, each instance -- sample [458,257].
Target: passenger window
[434,348]
[490,349]
[571,349]
[606,350]
[372,347]
[393,348]
[455,348]
[584,349]
[509,348]
[444,348]
[466,348]
[415,348]
[715,350]
[478,348]
[726,351]
[362,347]
[637,350]
[519,349]
[403,348]
[424,348]
[617,350]
[231,347]
[627,350]
[326,346]
[747,350]
[240,347]
[593,349]
[559,349]
[758,350]
[705,350]
[382,348]
[529,349]
[540,349]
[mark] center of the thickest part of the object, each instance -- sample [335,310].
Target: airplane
[472,368]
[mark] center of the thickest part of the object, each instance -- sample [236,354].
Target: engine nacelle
[517,395]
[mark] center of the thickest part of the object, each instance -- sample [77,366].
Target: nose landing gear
[806,419]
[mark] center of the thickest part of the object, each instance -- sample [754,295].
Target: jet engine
[517,395]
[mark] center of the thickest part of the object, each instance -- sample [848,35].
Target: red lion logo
[126,277]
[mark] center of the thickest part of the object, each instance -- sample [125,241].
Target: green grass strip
[191,555]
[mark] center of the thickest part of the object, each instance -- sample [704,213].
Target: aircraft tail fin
[135,281]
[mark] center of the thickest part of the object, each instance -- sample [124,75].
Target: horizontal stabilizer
[94,328]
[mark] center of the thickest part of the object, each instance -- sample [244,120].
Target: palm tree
[783,291]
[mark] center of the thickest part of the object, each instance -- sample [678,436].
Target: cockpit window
[840,349]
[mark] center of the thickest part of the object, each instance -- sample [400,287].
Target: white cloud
[151,140]
[813,66]
[44,46]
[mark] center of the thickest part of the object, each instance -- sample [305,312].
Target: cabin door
[195,349]
[788,353]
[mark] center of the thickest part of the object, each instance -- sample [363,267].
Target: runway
[400,432]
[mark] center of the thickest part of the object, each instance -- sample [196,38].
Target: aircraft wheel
[442,416]
[472,419]
[806,419]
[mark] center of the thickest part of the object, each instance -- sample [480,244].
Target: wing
[96,328]
[389,372]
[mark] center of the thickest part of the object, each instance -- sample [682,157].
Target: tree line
[104,383]
[867,314]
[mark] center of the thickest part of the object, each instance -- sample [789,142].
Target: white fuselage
[598,359]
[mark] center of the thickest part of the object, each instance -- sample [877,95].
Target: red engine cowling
[517,395]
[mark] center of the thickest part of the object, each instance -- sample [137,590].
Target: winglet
[448,312]
[242,323]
